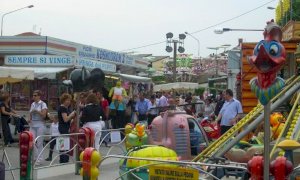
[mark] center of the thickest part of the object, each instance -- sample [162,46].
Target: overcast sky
[124,24]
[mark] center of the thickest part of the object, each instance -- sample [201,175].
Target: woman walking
[38,112]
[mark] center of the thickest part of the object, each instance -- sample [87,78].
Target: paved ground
[108,169]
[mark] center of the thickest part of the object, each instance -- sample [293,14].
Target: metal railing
[72,137]
[107,133]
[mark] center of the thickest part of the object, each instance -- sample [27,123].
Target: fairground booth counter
[29,61]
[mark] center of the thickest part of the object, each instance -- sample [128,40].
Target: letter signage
[92,53]
[36,60]
[97,64]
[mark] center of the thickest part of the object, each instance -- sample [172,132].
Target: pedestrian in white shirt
[38,112]
[163,101]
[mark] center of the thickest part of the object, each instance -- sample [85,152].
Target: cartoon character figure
[268,57]
[128,129]
[276,122]
[117,93]
[138,136]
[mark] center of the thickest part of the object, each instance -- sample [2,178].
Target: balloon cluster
[83,79]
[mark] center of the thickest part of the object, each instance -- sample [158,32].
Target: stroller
[20,123]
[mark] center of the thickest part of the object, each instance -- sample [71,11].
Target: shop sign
[160,173]
[96,64]
[291,31]
[99,54]
[37,60]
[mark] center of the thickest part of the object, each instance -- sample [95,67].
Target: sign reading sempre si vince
[89,52]
[39,60]
[58,61]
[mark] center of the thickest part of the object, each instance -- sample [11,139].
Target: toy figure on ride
[117,93]
[268,57]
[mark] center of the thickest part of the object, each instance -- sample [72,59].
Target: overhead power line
[206,28]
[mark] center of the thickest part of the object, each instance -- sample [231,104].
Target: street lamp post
[170,49]
[221,31]
[216,58]
[198,42]
[30,6]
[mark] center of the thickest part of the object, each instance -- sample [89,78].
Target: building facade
[52,60]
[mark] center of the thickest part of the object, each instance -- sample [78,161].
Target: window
[196,129]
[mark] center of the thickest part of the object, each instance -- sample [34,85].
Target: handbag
[48,117]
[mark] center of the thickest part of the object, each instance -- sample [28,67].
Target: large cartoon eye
[274,49]
[257,48]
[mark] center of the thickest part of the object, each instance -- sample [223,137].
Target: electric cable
[206,28]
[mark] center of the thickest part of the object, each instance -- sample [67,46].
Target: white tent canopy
[43,72]
[133,78]
[12,75]
[177,85]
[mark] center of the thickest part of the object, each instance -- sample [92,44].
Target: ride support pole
[267,112]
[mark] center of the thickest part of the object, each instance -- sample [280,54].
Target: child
[194,139]
[54,133]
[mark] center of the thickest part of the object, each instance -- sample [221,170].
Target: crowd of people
[222,109]
[94,112]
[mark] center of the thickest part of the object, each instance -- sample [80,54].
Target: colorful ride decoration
[137,137]
[243,152]
[249,146]
[288,146]
[90,159]
[171,129]
[212,130]
[268,57]
[117,94]
[281,168]
[85,140]
[26,147]
[255,167]
[155,152]
[136,145]
[277,124]
[128,129]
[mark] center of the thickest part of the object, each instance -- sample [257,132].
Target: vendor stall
[13,75]
[176,86]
